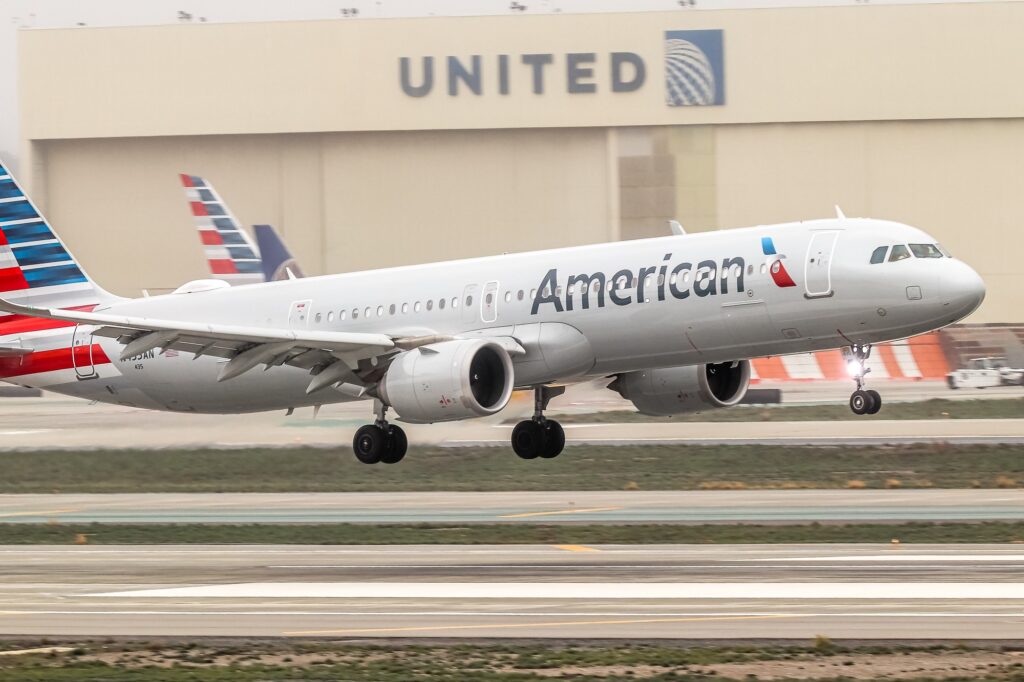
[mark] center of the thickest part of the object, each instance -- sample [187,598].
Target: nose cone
[963,290]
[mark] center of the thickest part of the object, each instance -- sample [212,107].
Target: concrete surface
[636,506]
[745,591]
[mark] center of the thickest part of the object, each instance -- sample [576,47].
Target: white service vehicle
[985,373]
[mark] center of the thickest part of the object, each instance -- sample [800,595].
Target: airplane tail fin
[230,252]
[35,267]
[278,262]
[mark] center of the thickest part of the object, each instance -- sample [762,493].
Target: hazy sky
[29,14]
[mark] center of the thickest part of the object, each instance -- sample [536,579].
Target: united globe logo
[694,68]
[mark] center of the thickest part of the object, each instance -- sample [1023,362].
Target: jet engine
[680,390]
[448,381]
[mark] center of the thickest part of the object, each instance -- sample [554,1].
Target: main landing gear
[861,401]
[380,441]
[539,437]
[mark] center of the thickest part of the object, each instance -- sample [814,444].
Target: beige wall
[904,112]
[788,64]
[961,181]
[343,201]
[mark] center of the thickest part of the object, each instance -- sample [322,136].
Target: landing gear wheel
[554,439]
[876,401]
[397,444]
[369,443]
[860,401]
[528,439]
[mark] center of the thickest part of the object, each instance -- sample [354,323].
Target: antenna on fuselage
[676,227]
[839,213]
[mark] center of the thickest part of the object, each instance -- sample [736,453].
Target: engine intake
[681,390]
[449,381]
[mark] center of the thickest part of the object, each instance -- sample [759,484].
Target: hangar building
[372,142]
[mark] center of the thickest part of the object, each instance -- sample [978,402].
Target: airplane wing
[244,347]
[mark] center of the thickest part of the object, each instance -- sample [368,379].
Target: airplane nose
[963,289]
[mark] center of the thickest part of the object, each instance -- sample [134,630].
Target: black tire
[369,443]
[876,402]
[860,401]
[397,445]
[554,439]
[528,439]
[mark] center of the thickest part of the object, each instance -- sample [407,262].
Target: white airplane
[231,254]
[674,320]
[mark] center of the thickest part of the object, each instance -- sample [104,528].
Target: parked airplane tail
[230,252]
[278,262]
[35,267]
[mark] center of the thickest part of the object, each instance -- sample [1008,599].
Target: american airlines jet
[230,253]
[672,320]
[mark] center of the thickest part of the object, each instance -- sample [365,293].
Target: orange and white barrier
[917,358]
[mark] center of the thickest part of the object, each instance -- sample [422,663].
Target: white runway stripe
[906,557]
[376,590]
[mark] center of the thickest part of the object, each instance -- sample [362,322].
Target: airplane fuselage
[579,312]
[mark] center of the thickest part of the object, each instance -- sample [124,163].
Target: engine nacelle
[449,381]
[680,390]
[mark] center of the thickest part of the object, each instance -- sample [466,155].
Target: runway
[644,592]
[54,422]
[612,507]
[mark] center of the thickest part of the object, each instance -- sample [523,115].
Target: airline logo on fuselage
[778,271]
[626,287]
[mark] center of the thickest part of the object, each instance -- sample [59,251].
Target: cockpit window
[899,252]
[926,251]
[945,253]
[878,255]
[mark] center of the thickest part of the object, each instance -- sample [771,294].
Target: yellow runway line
[559,512]
[576,548]
[504,626]
[45,512]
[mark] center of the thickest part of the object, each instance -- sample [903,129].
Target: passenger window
[455,303]
[878,255]
[416,307]
[405,308]
[391,309]
[330,316]
[508,297]
[380,311]
[430,304]
[764,268]
[469,301]
[341,315]
[520,295]
[319,316]
[925,251]
[899,252]
[440,304]
[355,313]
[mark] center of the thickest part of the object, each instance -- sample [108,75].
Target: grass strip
[936,408]
[504,662]
[509,534]
[645,467]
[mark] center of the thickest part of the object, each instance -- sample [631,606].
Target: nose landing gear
[380,441]
[862,401]
[539,436]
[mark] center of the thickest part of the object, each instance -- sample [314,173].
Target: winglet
[839,213]
[677,227]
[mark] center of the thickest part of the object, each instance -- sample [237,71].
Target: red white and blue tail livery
[230,252]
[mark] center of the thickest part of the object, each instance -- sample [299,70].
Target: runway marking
[574,548]
[568,623]
[902,557]
[559,512]
[593,590]
[45,512]
[514,614]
